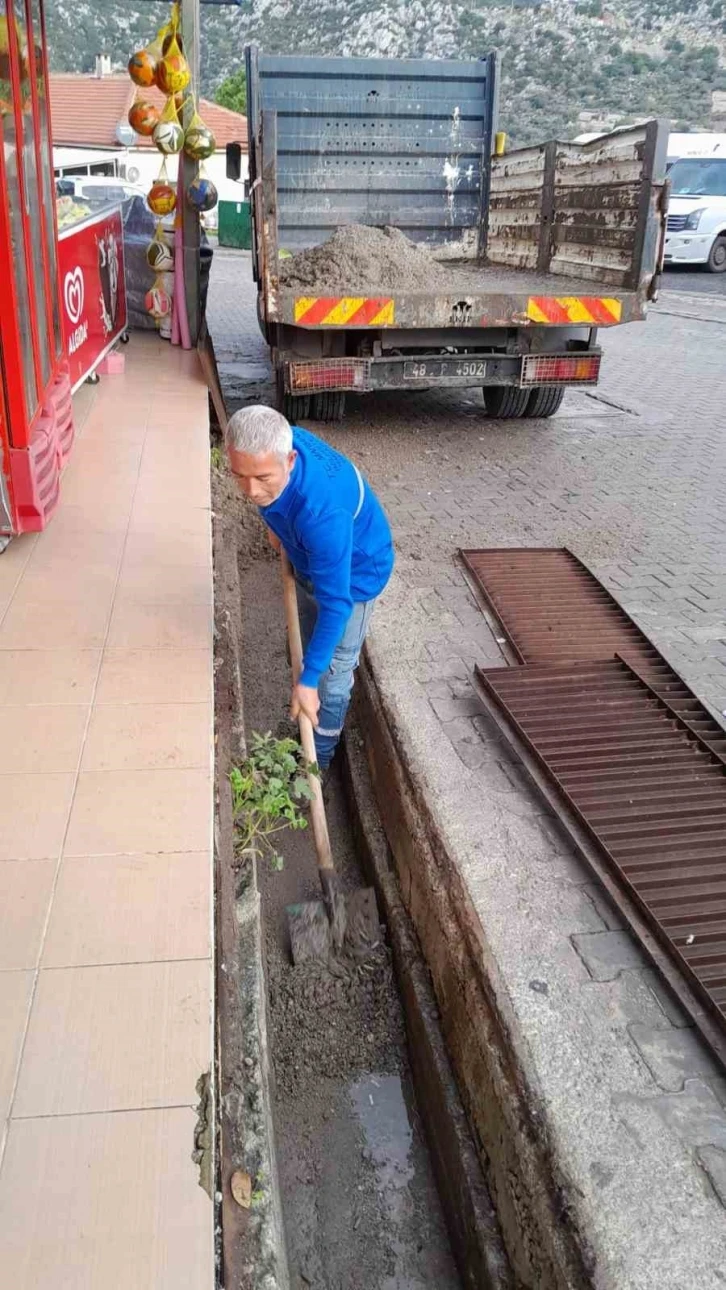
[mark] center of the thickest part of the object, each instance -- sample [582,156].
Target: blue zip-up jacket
[336,534]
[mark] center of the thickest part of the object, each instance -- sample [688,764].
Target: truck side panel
[582,210]
[381,142]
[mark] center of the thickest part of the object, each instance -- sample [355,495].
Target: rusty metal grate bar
[552,609]
[647,789]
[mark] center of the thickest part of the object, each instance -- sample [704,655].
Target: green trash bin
[235,226]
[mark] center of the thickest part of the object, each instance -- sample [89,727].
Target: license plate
[436,369]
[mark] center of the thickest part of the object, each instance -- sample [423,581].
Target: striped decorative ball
[168,137]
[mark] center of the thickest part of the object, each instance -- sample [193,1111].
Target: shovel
[338,924]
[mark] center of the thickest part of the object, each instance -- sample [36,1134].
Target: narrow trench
[358,1193]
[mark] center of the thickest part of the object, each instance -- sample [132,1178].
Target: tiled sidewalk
[105,849]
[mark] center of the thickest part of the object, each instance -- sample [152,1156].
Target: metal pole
[188,170]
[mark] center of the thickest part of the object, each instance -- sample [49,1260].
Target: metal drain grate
[649,793]
[553,610]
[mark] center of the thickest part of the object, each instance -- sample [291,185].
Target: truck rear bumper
[423,372]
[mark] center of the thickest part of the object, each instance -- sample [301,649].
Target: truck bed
[476,295]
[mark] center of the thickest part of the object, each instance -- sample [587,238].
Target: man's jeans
[337,683]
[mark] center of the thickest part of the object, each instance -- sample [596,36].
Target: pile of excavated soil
[364,259]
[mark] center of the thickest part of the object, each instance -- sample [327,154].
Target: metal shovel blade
[311,940]
[350,928]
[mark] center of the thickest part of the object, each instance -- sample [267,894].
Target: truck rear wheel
[329,406]
[544,401]
[505,401]
[296,407]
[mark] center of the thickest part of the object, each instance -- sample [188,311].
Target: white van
[696,231]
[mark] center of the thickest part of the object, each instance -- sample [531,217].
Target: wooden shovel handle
[307,737]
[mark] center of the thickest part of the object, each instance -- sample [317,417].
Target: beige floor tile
[170,546]
[15,990]
[48,676]
[99,491]
[60,580]
[88,518]
[136,625]
[129,429]
[173,494]
[162,584]
[13,561]
[115,1038]
[147,736]
[181,448]
[155,676]
[41,625]
[33,815]
[109,458]
[130,909]
[162,514]
[129,407]
[25,892]
[83,401]
[118,811]
[43,737]
[105,1202]
[181,413]
[89,549]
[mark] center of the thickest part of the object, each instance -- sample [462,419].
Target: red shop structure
[36,413]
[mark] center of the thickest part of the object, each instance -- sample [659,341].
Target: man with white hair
[317,505]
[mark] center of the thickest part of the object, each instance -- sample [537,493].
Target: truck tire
[296,407]
[503,402]
[717,258]
[544,401]
[329,406]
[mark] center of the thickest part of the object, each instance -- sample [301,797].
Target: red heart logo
[73,293]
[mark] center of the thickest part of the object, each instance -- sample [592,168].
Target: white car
[696,232]
[98,188]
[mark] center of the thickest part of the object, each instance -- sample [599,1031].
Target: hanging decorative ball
[142,68]
[161,198]
[157,301]
[168,137]
[172,73]
[159,256]
[199,142]
[201,194]
[143,117]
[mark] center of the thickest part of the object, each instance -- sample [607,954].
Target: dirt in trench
[359,1199]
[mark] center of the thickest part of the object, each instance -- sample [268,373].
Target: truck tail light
[327,374]
[553,369]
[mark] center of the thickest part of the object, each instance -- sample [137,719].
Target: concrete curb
[470,1216]
[252,1254]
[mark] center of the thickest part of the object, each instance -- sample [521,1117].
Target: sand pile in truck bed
[364,259]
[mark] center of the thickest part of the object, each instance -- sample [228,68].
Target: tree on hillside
[232,93]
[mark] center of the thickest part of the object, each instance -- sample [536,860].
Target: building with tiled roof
[88,111]
[91,133]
